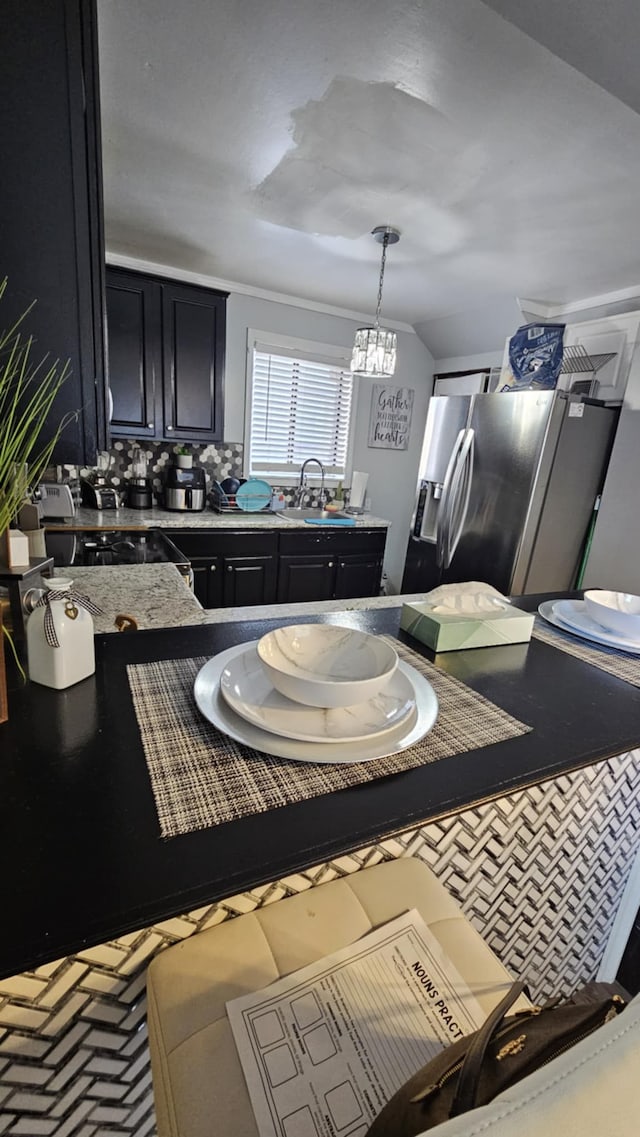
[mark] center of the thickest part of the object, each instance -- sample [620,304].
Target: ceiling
[260,141]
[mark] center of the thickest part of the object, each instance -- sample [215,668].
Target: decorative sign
[390,421]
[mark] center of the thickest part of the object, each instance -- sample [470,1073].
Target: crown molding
[549,311]
[120,260]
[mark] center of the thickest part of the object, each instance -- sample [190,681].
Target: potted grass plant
[28,388]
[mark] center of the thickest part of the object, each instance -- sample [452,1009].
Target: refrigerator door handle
[443,523]
[460,495]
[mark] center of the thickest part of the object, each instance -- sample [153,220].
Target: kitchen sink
[293,514]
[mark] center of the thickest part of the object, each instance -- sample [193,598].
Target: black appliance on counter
[139,494]
[185,489]
[97,494]
[102,547]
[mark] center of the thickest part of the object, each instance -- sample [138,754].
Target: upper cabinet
[51,242]
[166,348]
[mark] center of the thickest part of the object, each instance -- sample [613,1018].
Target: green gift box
[453,632]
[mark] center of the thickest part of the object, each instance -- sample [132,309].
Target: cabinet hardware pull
[212,568]
[330,565]
[341,564]
[150,425]
[229,568]
[169,428]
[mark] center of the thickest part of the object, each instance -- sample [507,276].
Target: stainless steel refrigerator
[507,490]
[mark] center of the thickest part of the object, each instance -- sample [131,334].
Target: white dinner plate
[247,689]
[570,616]
[212,705]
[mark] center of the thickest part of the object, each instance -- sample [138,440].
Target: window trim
[324,353]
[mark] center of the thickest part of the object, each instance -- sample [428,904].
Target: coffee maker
[185,488]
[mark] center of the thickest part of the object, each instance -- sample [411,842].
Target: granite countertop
[165,519]
[159,598]
[156,595]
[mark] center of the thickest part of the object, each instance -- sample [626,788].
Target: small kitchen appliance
[185,489]
[139,493]
[94,490]
[56,500]
[96,494]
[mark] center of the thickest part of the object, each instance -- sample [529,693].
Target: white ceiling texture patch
[371,150]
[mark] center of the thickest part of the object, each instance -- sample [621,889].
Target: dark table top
[82,856]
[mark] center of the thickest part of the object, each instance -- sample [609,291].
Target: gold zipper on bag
[510,1047]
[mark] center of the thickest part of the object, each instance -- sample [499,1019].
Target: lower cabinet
[330,564]
[231,569]
[234,568]
[305,577]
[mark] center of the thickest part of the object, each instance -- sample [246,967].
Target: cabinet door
[193,353]
[133,338]
[207,580]
[51,220]
[358,576]
[306,578]
[248,580]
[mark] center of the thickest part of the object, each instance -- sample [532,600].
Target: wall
[476,362]
[614,561]
[393,474]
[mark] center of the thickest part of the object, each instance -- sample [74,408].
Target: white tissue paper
[472,598]
[466,615]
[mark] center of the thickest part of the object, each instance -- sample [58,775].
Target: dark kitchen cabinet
[207,580]
[51,233]
[305,577]
[330,564]
[166,347]
[357,575]
[231,568]
[249,580]
[134,330]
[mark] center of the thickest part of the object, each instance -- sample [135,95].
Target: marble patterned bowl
[617,611]
[324,665]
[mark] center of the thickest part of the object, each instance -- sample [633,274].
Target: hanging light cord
[385,242]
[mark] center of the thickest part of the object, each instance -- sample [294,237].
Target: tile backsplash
[222,460]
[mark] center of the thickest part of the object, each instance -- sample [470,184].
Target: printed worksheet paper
[325,1048]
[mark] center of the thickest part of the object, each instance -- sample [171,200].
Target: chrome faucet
[300,491]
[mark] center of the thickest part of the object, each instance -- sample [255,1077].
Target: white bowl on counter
[324,665]
[617,611]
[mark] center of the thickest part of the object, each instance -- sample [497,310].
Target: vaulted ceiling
[260,141]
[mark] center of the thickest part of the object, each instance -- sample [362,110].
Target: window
[300,408]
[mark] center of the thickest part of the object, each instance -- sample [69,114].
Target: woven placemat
[201,777]
[611,659]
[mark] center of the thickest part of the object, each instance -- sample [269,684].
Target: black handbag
[473,1071]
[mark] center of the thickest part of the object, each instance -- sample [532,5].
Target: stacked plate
[608,619]
[317,693]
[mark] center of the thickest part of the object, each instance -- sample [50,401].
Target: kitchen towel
[201,777]
[609,659]
[329,521]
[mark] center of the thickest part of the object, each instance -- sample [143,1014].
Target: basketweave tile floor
[540,873]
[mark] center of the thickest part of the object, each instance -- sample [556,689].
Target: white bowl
[617,611]
[323,665]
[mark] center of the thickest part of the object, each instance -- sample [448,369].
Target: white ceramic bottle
[70,627]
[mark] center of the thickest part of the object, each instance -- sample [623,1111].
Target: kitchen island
[79,821]
[535,837]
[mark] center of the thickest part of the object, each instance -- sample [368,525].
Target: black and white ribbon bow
[75,598]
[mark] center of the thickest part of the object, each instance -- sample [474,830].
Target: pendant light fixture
[374,350]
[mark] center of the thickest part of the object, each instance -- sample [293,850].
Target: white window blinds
[300,408]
